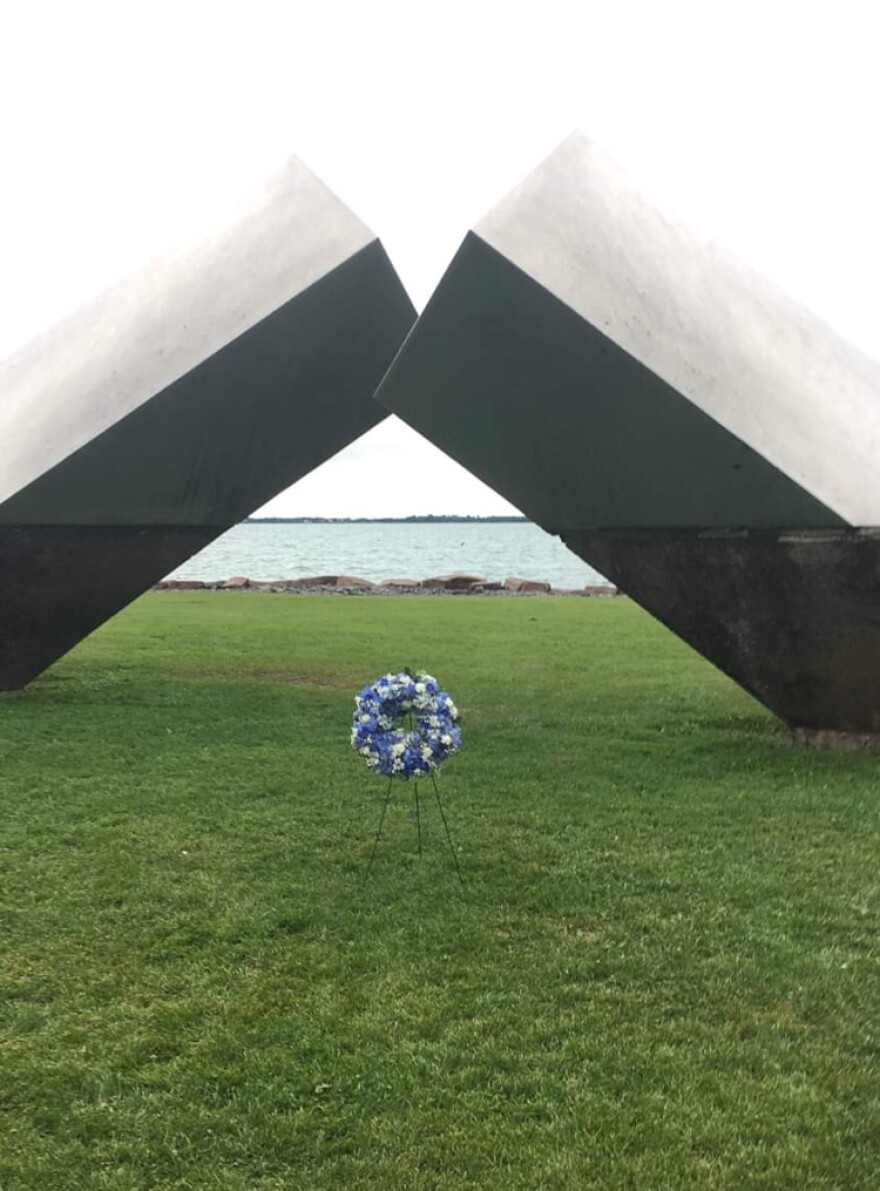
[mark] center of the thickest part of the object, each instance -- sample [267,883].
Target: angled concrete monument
[680,423]
[179,402]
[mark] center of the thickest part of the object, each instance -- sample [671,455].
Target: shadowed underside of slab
[171,444]
[794,618]
[68,579]
[551,413]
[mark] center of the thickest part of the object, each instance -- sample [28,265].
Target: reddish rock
[314,581]
[480,587]
[331,581]
[600,589]
[526,586]
[353,581]
[180,585]
[455,582]
[236,582]
[462,582]
[404,583]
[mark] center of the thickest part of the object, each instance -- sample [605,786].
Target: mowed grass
[662,971]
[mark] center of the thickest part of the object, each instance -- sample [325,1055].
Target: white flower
[379,734]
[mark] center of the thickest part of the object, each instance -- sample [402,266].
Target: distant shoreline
[414,546]
[427,519]
[457,584]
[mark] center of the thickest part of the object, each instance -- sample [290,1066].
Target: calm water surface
[389,551]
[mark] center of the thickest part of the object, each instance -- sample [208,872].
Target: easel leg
[418,817]
[446,826]
[381,821]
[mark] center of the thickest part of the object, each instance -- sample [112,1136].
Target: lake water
[389,551]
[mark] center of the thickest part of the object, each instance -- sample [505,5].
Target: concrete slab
[173,406]
[675,419]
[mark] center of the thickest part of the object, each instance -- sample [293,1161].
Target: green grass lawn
[662,971]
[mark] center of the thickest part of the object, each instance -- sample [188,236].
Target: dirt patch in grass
[323,682]
[314,681]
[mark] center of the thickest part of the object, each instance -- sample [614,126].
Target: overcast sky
[125,128]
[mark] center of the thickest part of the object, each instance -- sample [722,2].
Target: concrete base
[62,582]
[792,617]
[847,742]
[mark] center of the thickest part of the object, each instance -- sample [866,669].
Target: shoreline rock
[526,586]
[454,582]
[458,584]
[330,581]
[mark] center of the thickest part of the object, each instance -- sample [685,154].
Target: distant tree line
[427,519]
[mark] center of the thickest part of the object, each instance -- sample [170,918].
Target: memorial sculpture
[173,406]
[704,441]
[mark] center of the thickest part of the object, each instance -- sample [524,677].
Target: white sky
[125,127]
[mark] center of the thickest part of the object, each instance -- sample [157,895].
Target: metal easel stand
[418,824]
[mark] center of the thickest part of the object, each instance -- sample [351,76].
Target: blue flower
[389,748]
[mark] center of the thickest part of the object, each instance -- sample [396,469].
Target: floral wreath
[394,751]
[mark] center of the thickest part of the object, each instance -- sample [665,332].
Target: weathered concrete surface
[732,344]
[174,406]
[794,618]
[611,372]
[550,412]
[59,583]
